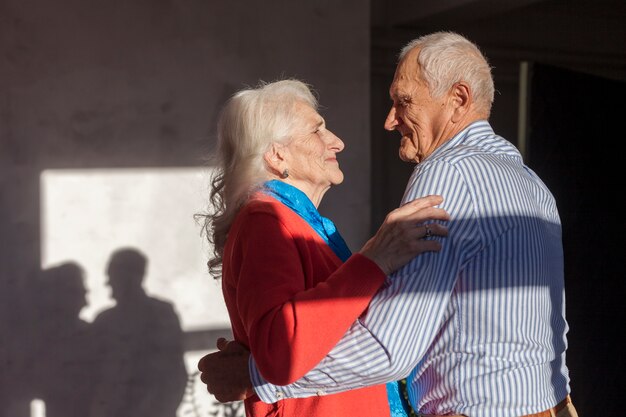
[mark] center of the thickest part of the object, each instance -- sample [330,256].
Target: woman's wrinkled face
[313,149]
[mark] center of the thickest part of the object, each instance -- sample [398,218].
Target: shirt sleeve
[290,324]
[404,317]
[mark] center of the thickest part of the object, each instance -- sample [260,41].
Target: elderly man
[478,329]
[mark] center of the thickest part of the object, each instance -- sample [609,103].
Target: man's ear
[461,98]
[275,158]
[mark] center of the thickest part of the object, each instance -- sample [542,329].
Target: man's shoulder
[449,158]
[478,151]
[157,302]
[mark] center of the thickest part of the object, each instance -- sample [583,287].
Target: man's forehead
[407,74]
[403,85]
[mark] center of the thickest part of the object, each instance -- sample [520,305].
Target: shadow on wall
[138,345]
[127,363]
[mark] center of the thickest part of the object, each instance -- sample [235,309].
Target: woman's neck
[315,194]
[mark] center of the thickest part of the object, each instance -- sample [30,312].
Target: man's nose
[392,121]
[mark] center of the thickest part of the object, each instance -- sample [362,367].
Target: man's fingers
[225,371]
[225,398]
[222,343]
[234,348]
[202,364]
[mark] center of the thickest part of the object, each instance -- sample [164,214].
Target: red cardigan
[290,299]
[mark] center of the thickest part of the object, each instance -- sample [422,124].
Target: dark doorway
[575,144]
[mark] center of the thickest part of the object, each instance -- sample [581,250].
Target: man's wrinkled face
[418,117]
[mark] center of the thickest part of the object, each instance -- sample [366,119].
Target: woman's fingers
[425,245]
[421,203]
[431,213]
[406,233]
[432,229]
[419,210]
[411,231]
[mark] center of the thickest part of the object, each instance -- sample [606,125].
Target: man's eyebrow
[396,94]
[397,91]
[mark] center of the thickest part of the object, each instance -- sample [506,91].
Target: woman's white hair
[446,58]
[250,121]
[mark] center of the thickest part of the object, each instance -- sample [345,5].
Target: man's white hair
[446,58]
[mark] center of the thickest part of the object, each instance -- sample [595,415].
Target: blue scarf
[304,207]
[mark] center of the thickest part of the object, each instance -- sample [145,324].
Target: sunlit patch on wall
[87,214]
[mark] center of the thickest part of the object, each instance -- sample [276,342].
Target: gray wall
[105,84]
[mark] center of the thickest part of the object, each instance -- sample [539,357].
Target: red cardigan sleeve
[291,327]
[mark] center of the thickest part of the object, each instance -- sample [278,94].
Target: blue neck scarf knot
[304,207]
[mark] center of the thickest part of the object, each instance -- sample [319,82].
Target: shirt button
[280,395]
[320,393]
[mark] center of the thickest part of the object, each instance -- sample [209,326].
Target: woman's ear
[275,158]
[461,96]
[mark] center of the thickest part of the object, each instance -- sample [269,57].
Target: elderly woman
[290,283]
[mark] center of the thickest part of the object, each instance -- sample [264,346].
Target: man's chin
[408,155]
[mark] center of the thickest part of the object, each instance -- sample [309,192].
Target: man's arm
[401,321]
[405,315]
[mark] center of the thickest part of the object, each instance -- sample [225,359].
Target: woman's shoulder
[266,215]
[262,205]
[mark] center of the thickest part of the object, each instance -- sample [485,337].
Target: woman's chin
[338,179]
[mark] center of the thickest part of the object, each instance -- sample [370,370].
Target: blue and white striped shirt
[479,328]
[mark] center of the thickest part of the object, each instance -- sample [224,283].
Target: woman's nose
[335,143]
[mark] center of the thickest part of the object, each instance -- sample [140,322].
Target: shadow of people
[63,356]
[139,347]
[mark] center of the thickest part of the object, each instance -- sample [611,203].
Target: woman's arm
[291,327]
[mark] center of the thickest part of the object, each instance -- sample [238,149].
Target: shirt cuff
[269,393]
